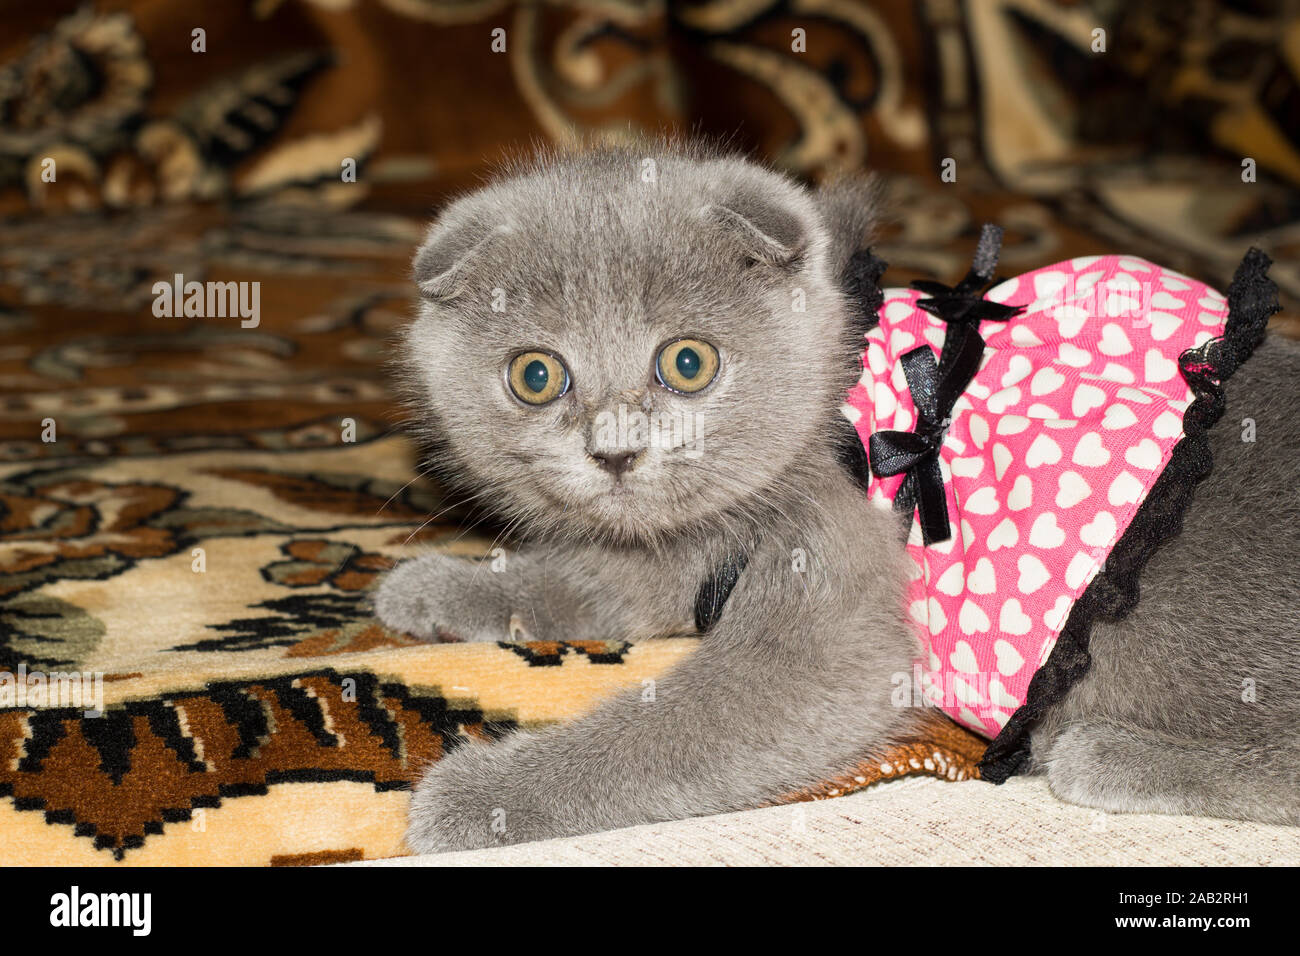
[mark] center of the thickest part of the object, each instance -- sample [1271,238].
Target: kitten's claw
[518,630]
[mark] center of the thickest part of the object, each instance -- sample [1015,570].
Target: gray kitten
[570,311]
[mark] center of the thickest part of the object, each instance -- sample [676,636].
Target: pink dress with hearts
[1048,454]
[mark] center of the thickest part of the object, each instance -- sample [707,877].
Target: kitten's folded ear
[454,244]
[764,231]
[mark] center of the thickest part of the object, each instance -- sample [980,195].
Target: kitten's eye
[686,365]
[537,377]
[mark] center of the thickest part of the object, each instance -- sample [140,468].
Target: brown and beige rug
[254,710]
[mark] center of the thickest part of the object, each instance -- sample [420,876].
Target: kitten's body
[792,682]
[1191,702]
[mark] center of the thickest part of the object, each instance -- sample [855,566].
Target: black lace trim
[1113,593]
[861,283]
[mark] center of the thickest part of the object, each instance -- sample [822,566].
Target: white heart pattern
[1008,660]
[1125,490]
[1021,495]
[963,660]
[1045,382]
[983,579]
[1017,369]
[1100,531]
[1157,368]
[1013,619]
[1071,489]
[1043,451]
[1045,533]
[952,582]
[972,618]
[1145,454]
[1086,398]
[1117,417]
[1090,452]
[1001,460]
[1033,574]
[1114,341]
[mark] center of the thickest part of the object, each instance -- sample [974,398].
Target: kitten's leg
[533,594]
[1121,770]
[791,685]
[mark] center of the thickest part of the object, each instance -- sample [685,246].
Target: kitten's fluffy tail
[850,206]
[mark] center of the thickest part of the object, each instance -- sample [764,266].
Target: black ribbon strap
[936,386]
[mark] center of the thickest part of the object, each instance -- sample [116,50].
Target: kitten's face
[613,362]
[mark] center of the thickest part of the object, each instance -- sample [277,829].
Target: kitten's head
[629,343]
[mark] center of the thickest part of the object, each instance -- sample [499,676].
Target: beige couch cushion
[913,821]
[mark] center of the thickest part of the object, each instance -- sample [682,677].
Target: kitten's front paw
[401,605]
[478,797]
[432,598]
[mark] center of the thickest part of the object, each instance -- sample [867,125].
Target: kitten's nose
[615,462]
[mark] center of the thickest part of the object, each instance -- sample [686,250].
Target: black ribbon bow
[963,306]
[936,386]
[916,453]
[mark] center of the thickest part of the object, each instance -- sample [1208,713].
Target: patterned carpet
[255,711]
[196,510]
